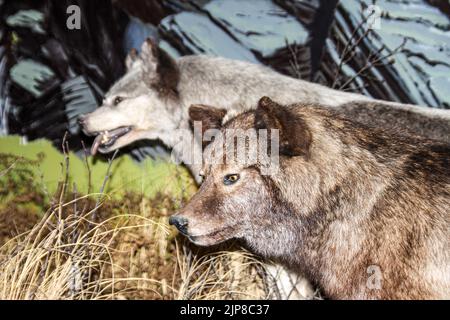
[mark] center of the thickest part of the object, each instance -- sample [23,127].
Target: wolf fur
[363,212]
[156,92]
[152,99]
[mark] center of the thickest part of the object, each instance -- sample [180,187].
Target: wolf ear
[157,60]
[131,58]
[210,117]
[148,52]
[294,134]
[168,74]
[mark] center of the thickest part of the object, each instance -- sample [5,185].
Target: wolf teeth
[105,137]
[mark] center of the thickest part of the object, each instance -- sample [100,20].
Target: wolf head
[236,200]
[141,100]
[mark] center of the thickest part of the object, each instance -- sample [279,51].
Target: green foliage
[38,166]
[18,183]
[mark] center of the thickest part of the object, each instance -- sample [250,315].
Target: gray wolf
[362,212]
[152,99]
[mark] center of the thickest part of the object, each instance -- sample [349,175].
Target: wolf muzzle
[179,222]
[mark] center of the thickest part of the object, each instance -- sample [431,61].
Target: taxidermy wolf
[363,212]
[152,99]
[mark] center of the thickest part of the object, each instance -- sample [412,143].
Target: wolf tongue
[96,144]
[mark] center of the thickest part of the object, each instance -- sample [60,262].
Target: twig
[372,63]
[4,172]
[102,189]
[65,148]
[295,65]
[349,47]
[75,231]
[88,168]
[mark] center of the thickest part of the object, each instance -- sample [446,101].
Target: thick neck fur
[237,86]
[219,82]
[355,215]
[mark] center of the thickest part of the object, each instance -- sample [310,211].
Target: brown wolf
[363,213]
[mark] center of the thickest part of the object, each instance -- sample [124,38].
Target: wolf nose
[81,120]
[179,222]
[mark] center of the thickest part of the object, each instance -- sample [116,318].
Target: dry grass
[128,256]
[94,247]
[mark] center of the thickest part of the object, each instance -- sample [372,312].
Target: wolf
[152,99]
[363,212]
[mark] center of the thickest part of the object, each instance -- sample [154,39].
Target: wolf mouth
[107,138]
[219,233]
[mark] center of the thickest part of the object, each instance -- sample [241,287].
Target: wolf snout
[179,222]
[83,123]
[81,120]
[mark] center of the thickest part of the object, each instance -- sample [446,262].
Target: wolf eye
[117,100]
[230,179]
